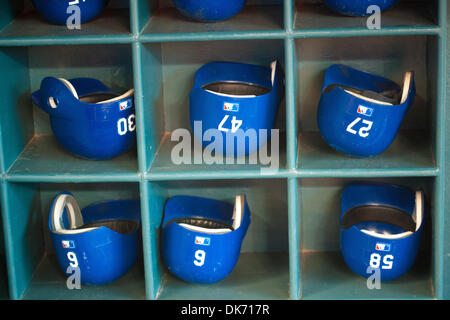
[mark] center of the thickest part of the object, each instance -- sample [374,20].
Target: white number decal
[350,126]
[235,124]
[199,258]
[363,131]
[388,261]
[375,260]
[126,125]
[122,126]
[221,128]
[132,123]
[73,259]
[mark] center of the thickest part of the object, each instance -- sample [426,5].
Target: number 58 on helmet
[381,227]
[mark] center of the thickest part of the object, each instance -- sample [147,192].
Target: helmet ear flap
[70,87]
[407,83]
[238,211]
[67,203]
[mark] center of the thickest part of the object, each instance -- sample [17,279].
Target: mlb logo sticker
[68,244]
[383,247]
[202,241]
[365,111]
[230,106]
[124,105]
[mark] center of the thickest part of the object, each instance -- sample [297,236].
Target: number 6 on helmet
[101,240]
[201,238]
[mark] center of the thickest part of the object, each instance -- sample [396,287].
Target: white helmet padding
[67,202]
[75,94]
[417,217]
[238,212]
[404,94]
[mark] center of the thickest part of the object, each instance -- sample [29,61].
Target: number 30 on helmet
[87,118]
[381,227]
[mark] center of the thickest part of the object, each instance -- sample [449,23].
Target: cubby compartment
[315,16]
[161,18]
[324,273]
[21,22]
[413,151]
[168,78]
[30,149]
[262,271]
[34,272]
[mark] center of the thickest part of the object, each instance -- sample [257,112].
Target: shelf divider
[294,239]
[440,200]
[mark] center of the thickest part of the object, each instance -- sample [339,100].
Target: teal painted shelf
[162,163]
[291,250]
[251,19]
[405,18]
[49,283]
[43,160]
[326,276]
[257,276]
[113,22]
[410,152]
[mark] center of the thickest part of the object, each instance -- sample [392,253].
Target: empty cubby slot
[315,15]
[162,17]
[262,271]
[390,57]
[324,273]
[31,147]
[22,20]
[168,78]
[35,271]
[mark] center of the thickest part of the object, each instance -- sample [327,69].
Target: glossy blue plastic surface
[358,7]
[103,255]
[58,11]
[179,244]
[95,131]
[217,111]
[353,125]
[209,10]
[358,247]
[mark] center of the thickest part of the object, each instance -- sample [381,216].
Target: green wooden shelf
[291,250]
[406,18]
[49,283]
[326,276]
[44,160]
[411,153]
[257,276]
[251,18]
[162,162]
[31,25]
